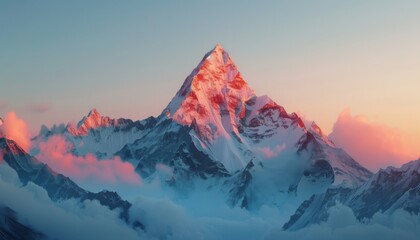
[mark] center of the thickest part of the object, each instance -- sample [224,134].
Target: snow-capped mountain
[248,135]
[58,186]
[216,136]
[97,134]
[386,191]
[217,130]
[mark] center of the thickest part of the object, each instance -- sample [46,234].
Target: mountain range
[217,135]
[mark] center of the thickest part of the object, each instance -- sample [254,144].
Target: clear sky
[59,59]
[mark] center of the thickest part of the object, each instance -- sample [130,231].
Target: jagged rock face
[92,121]
[97,134]
[320,169]
[172,145]
[386,188]
[386,191]
[408,202]
[111,200]
[239,194]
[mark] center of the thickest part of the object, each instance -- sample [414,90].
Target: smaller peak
[92,121]
[44,130]
[93,112]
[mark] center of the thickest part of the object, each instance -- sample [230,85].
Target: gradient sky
[59,59]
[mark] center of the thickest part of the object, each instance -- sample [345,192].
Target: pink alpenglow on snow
[216,101]
[93,120]
[55,152]
[214,86]
[16,129]
[373,144]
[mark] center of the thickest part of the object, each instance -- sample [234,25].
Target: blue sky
[59,59]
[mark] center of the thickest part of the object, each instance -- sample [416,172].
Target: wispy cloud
[38,108]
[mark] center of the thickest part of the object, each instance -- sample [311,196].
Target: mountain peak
[94,113]
[92,121]
[214,86]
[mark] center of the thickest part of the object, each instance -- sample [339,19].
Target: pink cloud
[56,153]
[372,144]
[16,129]
[38,108]
[271,152]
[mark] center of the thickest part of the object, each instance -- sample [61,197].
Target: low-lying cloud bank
[65,220]
[164,218]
